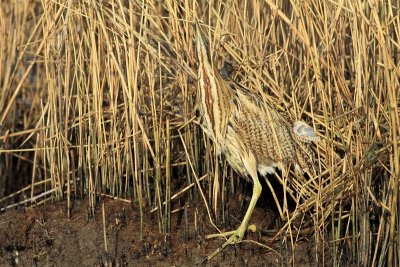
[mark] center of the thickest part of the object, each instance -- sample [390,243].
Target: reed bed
[98,98]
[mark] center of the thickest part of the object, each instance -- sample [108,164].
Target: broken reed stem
[168,177]
[103,212]
[183,190]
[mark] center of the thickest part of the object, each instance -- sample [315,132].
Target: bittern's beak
[200,40]
[198,36]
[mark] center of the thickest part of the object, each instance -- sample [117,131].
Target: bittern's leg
[237,236]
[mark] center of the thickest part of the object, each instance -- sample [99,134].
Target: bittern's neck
[214,94]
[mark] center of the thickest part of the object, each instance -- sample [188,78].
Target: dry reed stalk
[98,98]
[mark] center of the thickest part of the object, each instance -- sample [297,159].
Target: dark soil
[45,236]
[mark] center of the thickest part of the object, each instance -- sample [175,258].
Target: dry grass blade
[98,98]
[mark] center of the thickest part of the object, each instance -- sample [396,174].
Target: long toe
[235,237]
[251,228]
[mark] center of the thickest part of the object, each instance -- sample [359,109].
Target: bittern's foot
[234,238]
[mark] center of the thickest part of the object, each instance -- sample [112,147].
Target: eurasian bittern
[251,134]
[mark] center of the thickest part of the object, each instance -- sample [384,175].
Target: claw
[235,238]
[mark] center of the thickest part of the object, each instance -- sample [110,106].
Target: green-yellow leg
[237,235]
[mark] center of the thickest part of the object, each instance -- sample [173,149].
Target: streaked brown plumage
[250,133]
